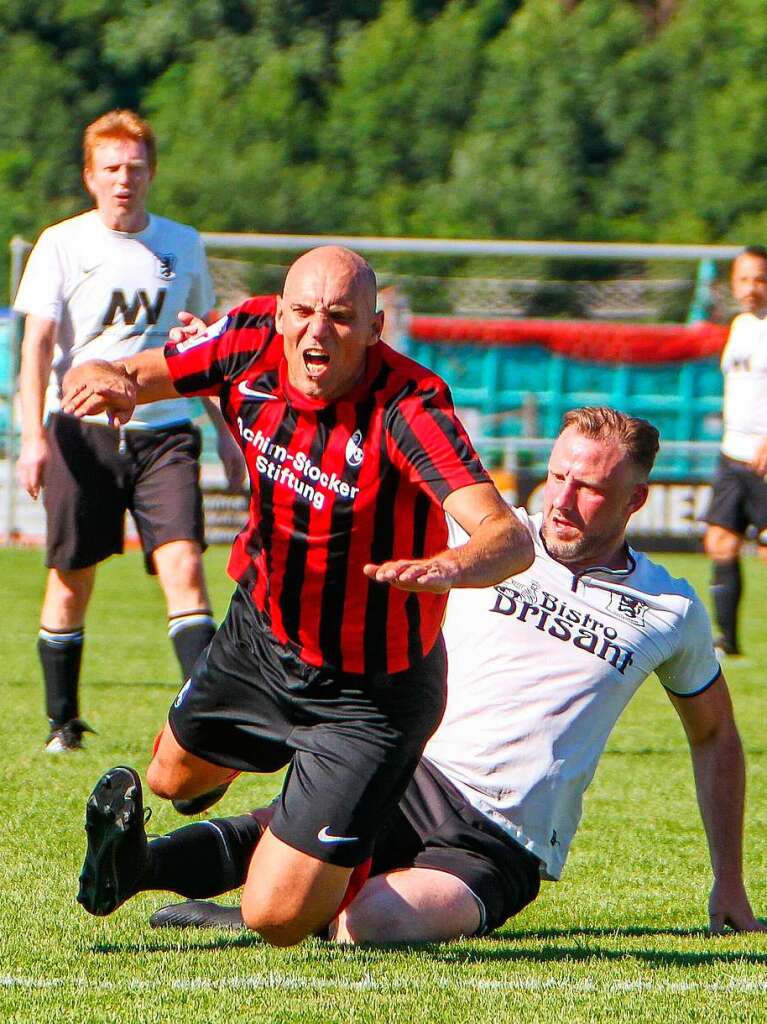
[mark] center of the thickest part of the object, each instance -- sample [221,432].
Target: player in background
[330,660]
[739,494]
[107,284]
[540,668]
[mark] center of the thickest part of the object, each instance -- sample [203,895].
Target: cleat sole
[113,810]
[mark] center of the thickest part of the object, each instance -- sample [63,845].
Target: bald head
[328,321]
[344,266]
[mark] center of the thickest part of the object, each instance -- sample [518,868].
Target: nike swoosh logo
[324,836]
[249,392]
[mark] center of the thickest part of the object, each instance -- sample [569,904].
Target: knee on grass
[171,785]
[277,927]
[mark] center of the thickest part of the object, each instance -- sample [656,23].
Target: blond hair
[638,438]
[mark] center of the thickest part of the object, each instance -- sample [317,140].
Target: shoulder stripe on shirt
[416,450]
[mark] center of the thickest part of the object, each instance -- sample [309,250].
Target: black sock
[190,632]
[206,858]
[725,593]
[60,652]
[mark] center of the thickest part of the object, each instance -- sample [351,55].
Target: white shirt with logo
[114,294]
[744,365]
[539,669]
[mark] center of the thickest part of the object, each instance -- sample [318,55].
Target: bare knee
[350,927]
[275,925]
[179,568]
[721,545]
[410,905]
[363,921]
[288,894]
[161,782]
[67,594]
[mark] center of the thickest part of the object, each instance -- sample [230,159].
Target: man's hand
[759,461]
[30,468]
[728,906]
[192,327]
[97,387]
[435,575]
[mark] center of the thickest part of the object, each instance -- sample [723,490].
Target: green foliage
[600,119]
[714,163]
[542,146]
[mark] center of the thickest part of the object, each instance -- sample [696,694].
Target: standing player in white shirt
[540,668]
[107,284]
[739,496]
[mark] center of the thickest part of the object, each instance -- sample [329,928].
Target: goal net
[517,328]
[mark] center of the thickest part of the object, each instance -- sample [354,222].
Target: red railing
[580,339]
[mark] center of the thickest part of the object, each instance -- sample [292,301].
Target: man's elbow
[522,546]
[518,554]
[529,553]
[721,735]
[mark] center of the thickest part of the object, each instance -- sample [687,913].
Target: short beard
[588,551]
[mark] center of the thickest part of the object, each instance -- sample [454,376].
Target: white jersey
[114,294]
[539,669]
[744,365]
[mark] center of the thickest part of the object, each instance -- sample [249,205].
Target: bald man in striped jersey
[330,659]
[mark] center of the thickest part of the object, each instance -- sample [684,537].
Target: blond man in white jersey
[739,493]
[540,668]
[110,283]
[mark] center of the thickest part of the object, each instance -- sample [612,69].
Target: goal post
[474,279]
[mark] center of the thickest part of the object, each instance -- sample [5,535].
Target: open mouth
[315,361]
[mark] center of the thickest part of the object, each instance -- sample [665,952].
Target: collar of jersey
[297,400]
[593,570]
[604,570]
[124,234]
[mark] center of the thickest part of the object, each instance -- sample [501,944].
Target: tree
[539,152]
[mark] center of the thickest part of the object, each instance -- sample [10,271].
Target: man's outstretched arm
[117,388]
[719,767]
[498,547]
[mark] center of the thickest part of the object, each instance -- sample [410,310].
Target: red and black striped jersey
[334,485]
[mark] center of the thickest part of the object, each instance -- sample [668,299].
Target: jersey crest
[628,607]
[354,451]
[166,268]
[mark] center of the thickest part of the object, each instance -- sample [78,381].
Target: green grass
[621,938]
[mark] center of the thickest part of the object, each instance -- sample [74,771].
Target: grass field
[621,938]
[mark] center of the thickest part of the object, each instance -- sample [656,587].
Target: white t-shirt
[114,294]
[539,669]
[744,365]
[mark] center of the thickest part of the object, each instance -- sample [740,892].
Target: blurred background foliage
[642,120]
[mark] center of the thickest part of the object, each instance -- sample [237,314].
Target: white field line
[277,981]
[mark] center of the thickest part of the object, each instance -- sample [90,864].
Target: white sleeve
[693,666]
[202,296]
[41,291]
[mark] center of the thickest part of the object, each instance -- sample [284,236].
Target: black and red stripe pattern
[334,486]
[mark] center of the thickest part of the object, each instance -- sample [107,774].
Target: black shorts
[90,483]
[738,499]
[351,742]
[435,827]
